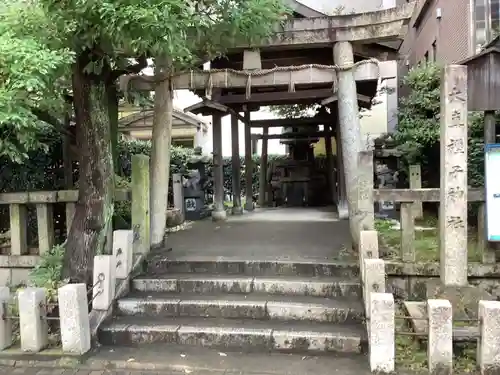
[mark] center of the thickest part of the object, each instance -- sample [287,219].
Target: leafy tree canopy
[31,87]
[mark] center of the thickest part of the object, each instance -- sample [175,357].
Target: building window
[434,51]
[486,21]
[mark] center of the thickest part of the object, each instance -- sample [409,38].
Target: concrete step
[244,335]
[238,306]
[213,284]
[160,264]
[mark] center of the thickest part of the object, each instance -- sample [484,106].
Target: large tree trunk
[112,94]
[160,153]
[94,209]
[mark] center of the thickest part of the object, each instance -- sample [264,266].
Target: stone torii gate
[329,60]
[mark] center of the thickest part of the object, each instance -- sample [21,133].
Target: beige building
[188,130]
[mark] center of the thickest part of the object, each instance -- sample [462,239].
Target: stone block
[381,332]
[104,282]
[364,187]
[141,204]
[151,307]
[368,247]
[234,308]
[319,312]
[74,318]
[175,217]
[311,341]
[227,337]
[440,340]
[488,348]
[463,299]
[5,324]
[206,284]
[374,282]
[155,285]
[32,323]
[123,252]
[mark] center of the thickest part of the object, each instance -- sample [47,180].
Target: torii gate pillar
[350,130]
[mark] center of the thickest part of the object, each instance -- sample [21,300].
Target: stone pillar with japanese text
[350,130]
[453,189]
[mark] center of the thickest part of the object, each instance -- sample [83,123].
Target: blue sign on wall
[492,190]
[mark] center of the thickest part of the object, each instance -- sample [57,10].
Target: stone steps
[237,306]
[235,284]
[243,335]
[160,264]
[309,306]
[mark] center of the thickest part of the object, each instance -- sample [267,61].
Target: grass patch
[426,241]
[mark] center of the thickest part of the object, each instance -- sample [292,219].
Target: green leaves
[418,132]
[29,80]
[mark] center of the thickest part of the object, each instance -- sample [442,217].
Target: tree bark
[112,94]
[160,153]
[94,208]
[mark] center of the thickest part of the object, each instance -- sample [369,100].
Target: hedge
[44,171]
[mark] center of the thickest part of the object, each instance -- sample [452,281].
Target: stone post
[123,253]
[255,143]
[218,213]
[381,331]
[365,213]
[236,165]
[440,341]
[141,204]
[178,192]
[32,323]
[416,183]
[70,214]
[453,192]
[45,225]
[248,163]
[74,317]
[329,162]
[263,168]
[18,229]
[342,207]
[488,248]
[5,324]
[104,282]
[407,232]
[488,348]
[368,248]
[350,130]
[374,280]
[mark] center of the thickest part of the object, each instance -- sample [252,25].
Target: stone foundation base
[464,299]
[219,215]
[237,210]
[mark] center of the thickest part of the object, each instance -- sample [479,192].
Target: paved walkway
[276,233]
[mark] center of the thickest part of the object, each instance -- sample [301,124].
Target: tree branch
[131,69]
[49,119]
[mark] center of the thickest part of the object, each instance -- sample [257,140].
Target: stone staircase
[288,306]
